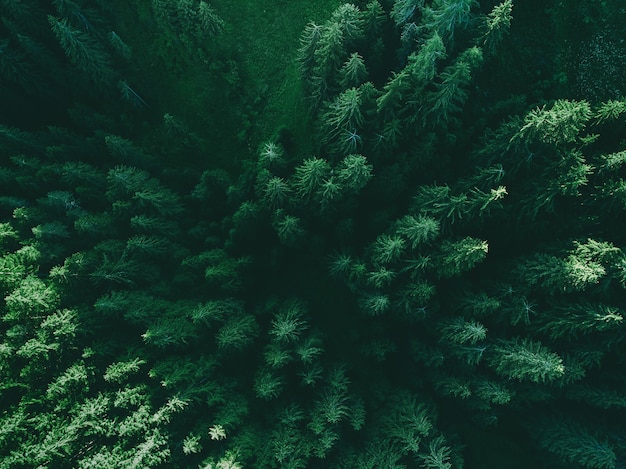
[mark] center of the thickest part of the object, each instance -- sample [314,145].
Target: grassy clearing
[242,90]
[266,39]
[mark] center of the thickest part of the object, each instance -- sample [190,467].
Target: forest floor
[243,90]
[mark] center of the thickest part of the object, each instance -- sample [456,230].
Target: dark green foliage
[446,16]
[560,124]
[527,360]
[404,10]
[324,49]
[288,323]
[67,402]
[353,72]
[451,90]
[288,228]
[310,176]
[425,262]
[418,230]
[576,445]
[583,319]
[83,52]
[458,256]
[353,173]
[236,333]
[275,192]
[309,42]
[413,78]
[209,23]
[497,24]
[120,46]
[192,23]
[344,113]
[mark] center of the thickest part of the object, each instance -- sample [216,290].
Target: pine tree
[30,300]
[403,10]
[610,110]
[309,348]
[438,455]
[179,130]
[120,46]
[353,72]
[159,198]
[77,174]
[577,319]
[394,93]
[481,203]
[373,19]
[267,385]
[343,113]
[329,194]
[418,229]
[309,176]
[329,54]
[16,8]
[170,330]
[147,246]
[209,23]
[271,156]
[560,124]
[451,91]
[14,66]
[237,333]
[50,231]
[460,331]
[276,192]
[576,444]
[124,151]
[409,38]
[349,17]
[288,323]
[84,53]
[154,225]
[193,24]
[524,359]
[353,173]
[309,43]
[288,228]
[613,161]
[408,84]
[331,408]
[125,182]
[116,269]
[129,95]
[220,269]
[458,256]
[445,16]
[375,305]
[120,371]
[388,249]
[340,265]
[575,270]
[276,356]
[216,310]
[381,277]
[497,24]
[407,423]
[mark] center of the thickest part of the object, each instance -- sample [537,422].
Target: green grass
[245,88]
[267,38]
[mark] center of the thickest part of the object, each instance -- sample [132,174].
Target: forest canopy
[380,234]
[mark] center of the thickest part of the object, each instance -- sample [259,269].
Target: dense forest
[289,234]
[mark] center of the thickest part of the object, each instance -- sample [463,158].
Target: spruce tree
[84,53]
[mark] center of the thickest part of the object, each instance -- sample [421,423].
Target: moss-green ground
[242,90]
